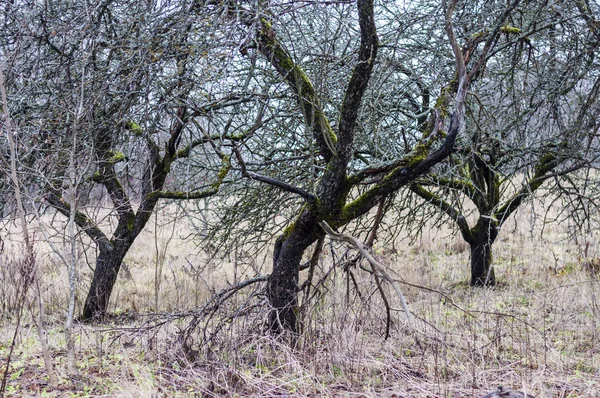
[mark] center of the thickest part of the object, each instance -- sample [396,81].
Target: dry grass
[537,331]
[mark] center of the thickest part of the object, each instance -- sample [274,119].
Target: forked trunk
[110,258]
[482,271]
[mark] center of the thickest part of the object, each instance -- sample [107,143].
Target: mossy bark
[110,257]
[283,281]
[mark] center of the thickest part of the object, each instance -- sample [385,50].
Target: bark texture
[107,269]
[483,236]
[283,281]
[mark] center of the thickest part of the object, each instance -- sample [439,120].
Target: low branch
[370,240]
[377,266]
[82,221]
[216,301]
[272,181]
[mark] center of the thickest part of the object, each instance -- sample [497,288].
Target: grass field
[537,331]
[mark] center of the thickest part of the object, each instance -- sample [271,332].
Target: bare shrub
[9,291]
[591,266]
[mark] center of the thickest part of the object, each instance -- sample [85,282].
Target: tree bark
[110,257]
[283,281]
[481,265]
[483,236]
[108,265]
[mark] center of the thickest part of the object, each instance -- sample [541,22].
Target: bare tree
[538,122]
[27,269]
[335,168]
[151,85]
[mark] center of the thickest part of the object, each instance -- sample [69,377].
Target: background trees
[323,110]
[282,115]
[135,85]
[532,116]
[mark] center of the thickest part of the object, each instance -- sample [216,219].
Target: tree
[335,168]
[146,82]
[536,123]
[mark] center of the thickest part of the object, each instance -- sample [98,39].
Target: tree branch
[545,165]
[272,181]
[107,177]
[214,187]
[415,164]
[82,221]
[460,62]
[446,207]
[452,183]
[359,78]
[492,39]
[411,167]
[185,152]
[593,24]
[230,100]
[308,100]
[377,266]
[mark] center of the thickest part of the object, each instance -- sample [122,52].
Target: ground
[536,331]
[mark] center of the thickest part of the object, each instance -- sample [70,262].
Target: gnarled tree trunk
[283,281]
[107,268]
[331,199]
[483,236]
